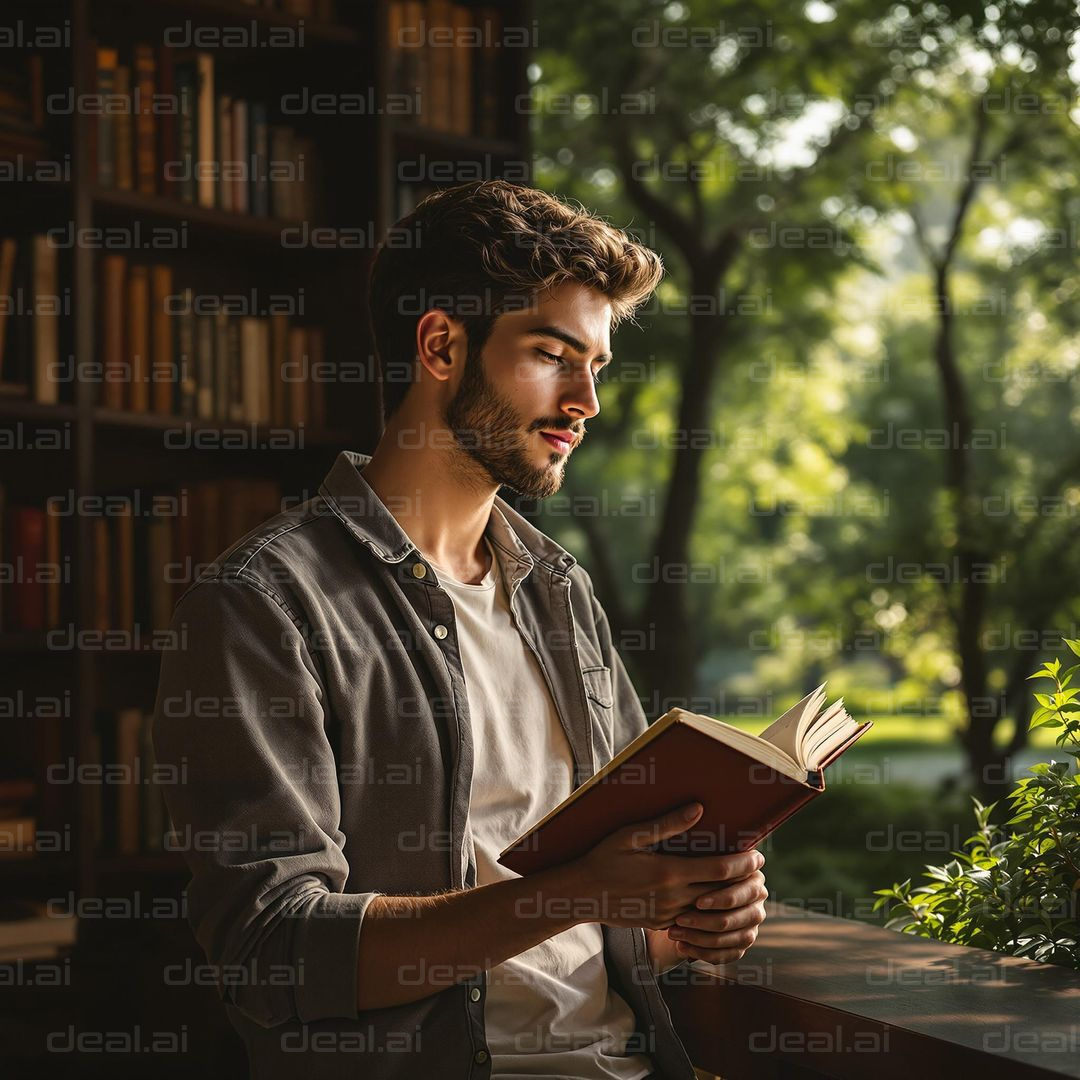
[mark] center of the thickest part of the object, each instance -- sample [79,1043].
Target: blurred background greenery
[842,441]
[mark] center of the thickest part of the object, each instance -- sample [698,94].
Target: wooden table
[824,997]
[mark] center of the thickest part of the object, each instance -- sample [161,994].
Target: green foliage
[1014,887]
[823,539]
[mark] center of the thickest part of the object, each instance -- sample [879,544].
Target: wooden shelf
[21,641]
[159,422]
[221,13]
[26,409]
[37,867]
[200,219]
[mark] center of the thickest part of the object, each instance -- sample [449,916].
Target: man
[399,676]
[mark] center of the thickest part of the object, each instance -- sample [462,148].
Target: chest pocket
[600,697]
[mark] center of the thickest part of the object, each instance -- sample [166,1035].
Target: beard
[487,427]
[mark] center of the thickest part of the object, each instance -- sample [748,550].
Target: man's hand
[719,929]
[623,882]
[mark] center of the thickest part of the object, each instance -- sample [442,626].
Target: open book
[747,784]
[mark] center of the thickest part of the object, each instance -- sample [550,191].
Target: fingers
[724,948]
[715,937]
[721,867]
[646,833]
[717,922]
[735,894]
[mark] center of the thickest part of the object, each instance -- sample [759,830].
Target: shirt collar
[371,522]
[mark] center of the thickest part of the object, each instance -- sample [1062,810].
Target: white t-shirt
[549,1010]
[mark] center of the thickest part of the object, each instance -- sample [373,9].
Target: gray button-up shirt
[315,715]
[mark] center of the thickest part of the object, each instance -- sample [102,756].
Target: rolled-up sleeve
[251,785]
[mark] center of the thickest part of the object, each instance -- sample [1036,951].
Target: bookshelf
[84,447]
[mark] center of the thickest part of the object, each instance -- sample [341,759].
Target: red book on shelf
[139,338]
[747,784]
[27,558]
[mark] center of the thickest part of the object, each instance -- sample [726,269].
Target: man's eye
[597,376]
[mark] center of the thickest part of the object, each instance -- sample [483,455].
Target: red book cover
[744,799]
[27,541]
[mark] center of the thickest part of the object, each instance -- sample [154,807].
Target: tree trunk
[669,666]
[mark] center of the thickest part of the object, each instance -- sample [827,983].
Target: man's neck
[438,500]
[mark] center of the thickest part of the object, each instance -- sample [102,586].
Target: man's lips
[561,440]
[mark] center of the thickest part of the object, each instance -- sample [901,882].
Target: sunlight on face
[535,373]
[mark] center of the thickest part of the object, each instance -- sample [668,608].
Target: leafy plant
[1014,887]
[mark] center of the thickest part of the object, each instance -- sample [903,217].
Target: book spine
[260,153]
[206,339]
[124,145]
[239,165]
[53,560]
[106,122]
[206,186]
[114,279]
[236,376]
[139,338]
[186,370]
[46,321]
[27,542]
[186,148]
[8,251]
[166,125]
[164,374]
[145,127]
[124,568]
[224,152]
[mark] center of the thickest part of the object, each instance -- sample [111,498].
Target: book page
[822,737]
[787,732]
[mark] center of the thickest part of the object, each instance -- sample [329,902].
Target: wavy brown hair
[480,249]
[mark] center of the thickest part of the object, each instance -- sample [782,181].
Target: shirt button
[419,570]
[440,631]
[481,1057]
[474,993]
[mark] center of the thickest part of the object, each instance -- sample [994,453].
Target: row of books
[162,353]
[30,930]
[148,548]
[33,586]
[18,823]
[152,545]
[31,304]
[22,105]
[172,131]
[127,815]
[447,55]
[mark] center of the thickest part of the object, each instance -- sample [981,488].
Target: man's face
[535,375]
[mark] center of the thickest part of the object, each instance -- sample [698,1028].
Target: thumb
[644,834]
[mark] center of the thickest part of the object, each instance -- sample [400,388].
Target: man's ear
[435,332]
